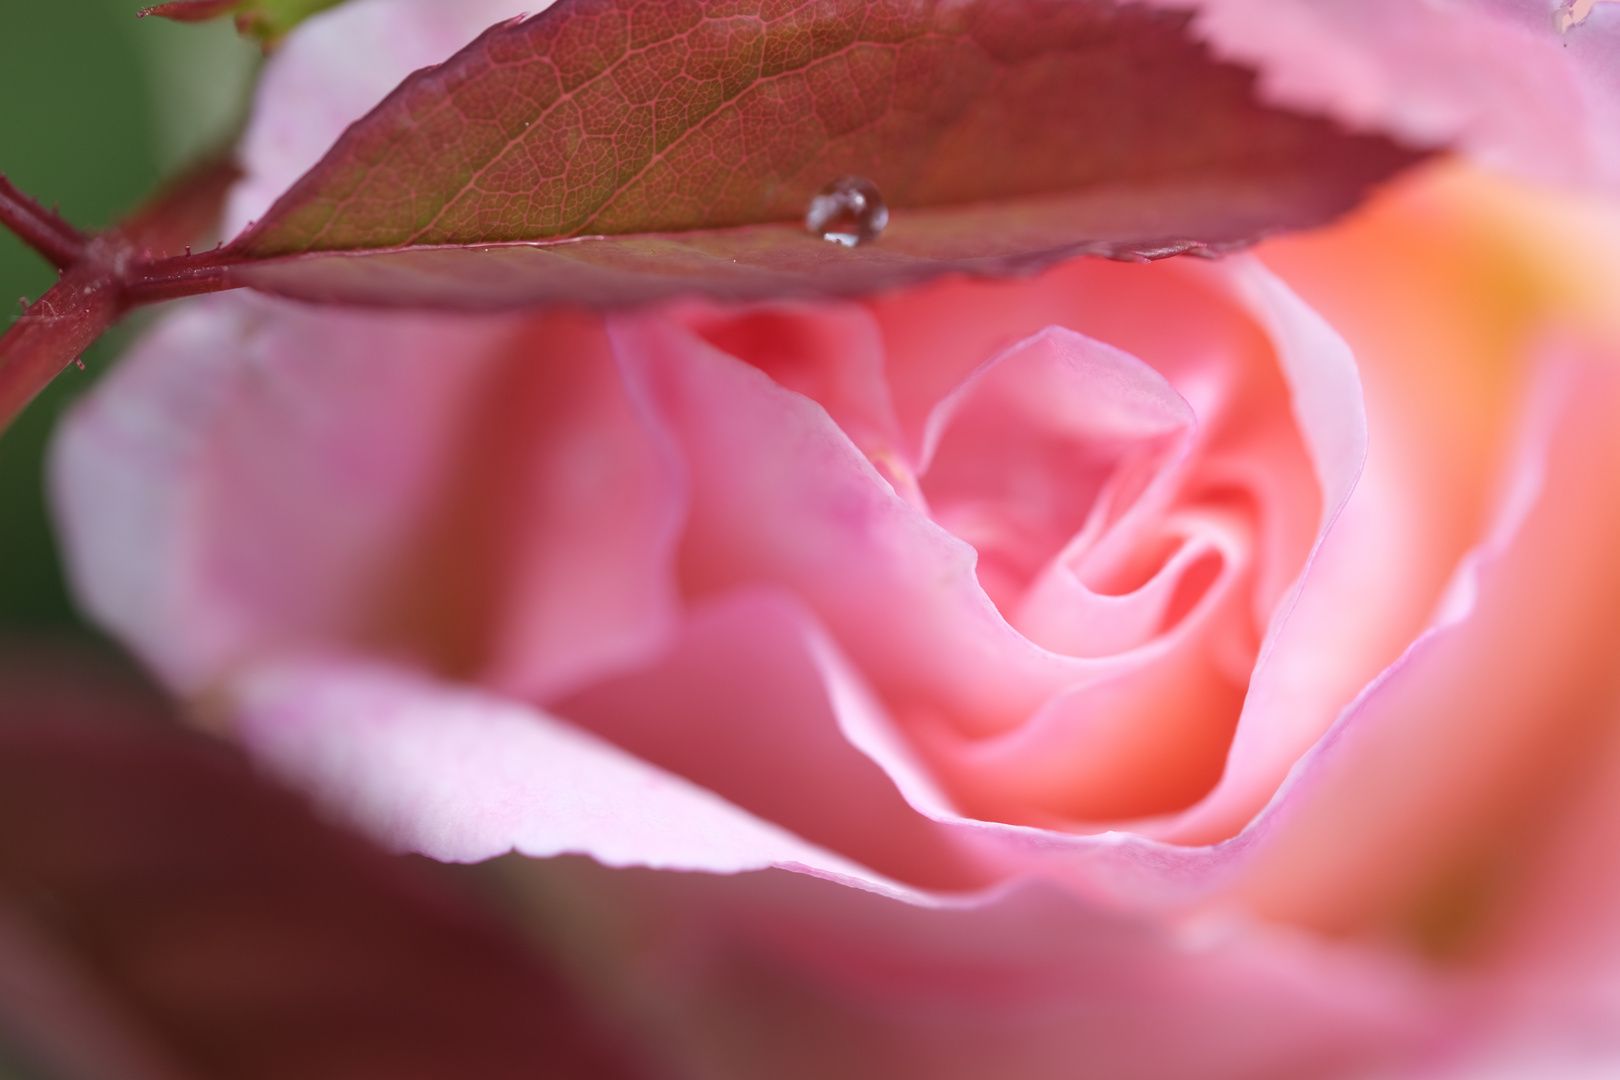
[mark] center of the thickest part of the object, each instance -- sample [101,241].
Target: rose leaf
[266,20]
[643,148]
[613,152]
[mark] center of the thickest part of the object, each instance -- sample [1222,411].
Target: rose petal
[1291,700]
[936,336]
[781,496]
[240,479]
[1123,870]
[1478,723]
[1056,437]
[739,706]
[476,494]
[830,352]
[1029,983]
[1552,969]
[546,558]
[1211,354]
[1493,77]
[461,776]
[755,487]
[1008,448]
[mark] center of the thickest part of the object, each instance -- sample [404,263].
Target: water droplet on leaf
[848,211]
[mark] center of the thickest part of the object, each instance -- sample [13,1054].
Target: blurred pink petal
[547,557]
[787,976]
[1555,968]
[503,499]
[742,705]
[1496,79]
[462,775]
[475,494]
[249,470]
[1475,726]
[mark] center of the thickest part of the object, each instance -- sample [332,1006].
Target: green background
[96,107]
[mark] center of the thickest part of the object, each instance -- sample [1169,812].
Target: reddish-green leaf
[184,213]
[192,10]
[620,151]
[267,20]
[1002,132]
[1140,222]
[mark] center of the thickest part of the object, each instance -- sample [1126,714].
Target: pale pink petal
[1496,79]
[1525,1063]
[461,775]
[237,527]
[1325,391]
[1116,869]
[781,496]
[1299,684]
[831,352]
[1482,720]
[241,479]
[1148,741]
[564,515]
[1061,437]
[781,975]
[1052,451]
[331,70]
[739,706]
[1557,964]
[935,334]
[475,494]
[1554,963]
[1212,353]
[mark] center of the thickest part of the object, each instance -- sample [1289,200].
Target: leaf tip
[189,10]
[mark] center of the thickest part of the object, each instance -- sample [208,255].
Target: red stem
[103,277]
[39,228]
[177,277]
[53,332]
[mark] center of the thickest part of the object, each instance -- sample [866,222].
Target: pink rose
[1192,669]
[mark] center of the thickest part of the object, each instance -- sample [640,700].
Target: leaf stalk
[60,243]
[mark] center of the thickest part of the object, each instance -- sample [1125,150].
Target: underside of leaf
[750,262]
